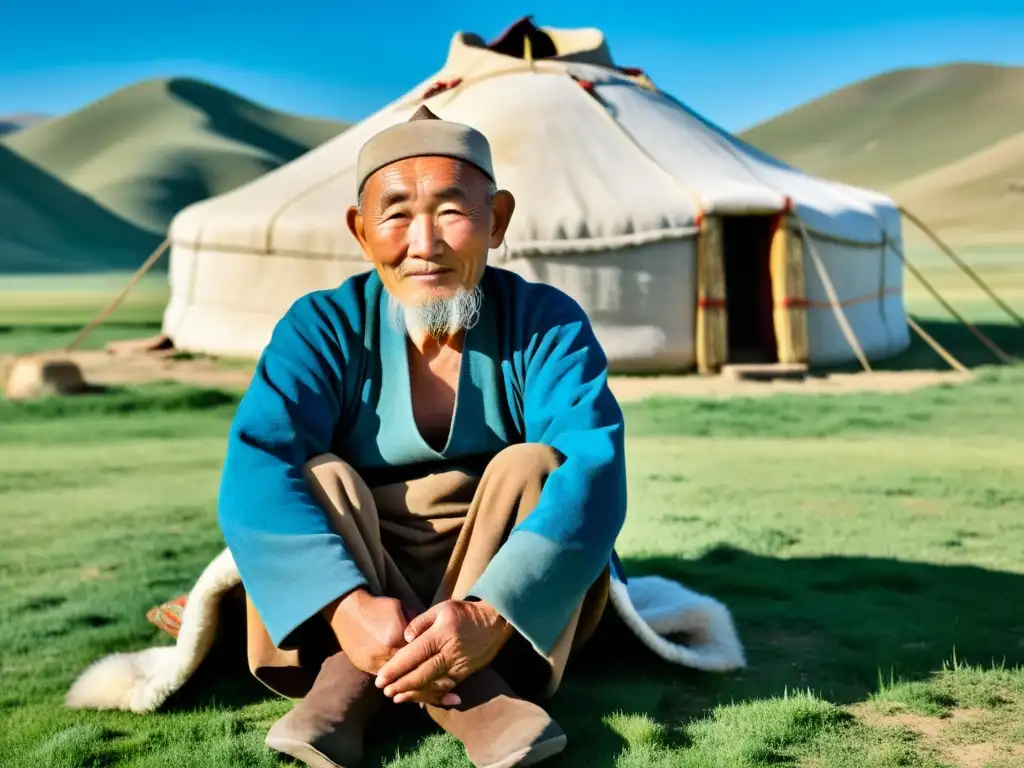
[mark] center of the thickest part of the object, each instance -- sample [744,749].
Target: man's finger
[449,699]
[438,693]
[406,659]
[430,677]
[429,673]
[420,624]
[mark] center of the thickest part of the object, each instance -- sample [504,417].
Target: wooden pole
[963,265]
[154,257]
[833,297]
[940,350]
[992,346]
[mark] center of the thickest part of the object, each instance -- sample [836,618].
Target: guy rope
[833,296]
[154,257]
[963,266]
[994,348]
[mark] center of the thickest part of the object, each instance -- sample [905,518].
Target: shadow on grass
[111,400]
[957,339]
[833,625]
[58,328]
[18,338]
[223,680]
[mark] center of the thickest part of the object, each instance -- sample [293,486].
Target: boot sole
[533,754]
[314,758]
[306,753]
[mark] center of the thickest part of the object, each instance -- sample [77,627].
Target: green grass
[868,546]
[863,543]
[40,313]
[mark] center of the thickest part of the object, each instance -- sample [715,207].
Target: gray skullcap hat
[423,135]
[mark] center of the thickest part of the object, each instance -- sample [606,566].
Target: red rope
[800,302]
[440,86]
[586,85]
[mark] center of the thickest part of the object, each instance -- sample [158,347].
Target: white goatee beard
[438,318]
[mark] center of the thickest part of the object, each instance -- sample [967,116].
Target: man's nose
[424,237]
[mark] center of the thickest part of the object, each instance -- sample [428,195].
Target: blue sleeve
[552,558]
[291,561]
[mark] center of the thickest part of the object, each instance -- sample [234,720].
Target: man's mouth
[427,273]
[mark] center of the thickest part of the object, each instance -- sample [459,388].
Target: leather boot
[498,728]
[326,728]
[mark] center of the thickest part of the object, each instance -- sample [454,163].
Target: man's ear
[502,208]
[355,222]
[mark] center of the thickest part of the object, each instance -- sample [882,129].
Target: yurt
[687,247]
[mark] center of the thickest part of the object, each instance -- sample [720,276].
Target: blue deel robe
[334,379]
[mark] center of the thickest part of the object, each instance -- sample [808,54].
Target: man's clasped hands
[418,658]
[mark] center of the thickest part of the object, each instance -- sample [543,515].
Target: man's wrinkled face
[427,224]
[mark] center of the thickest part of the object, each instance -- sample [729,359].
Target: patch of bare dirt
[105,368]
[939,734]
[988,754]
[932,728]
[135,367]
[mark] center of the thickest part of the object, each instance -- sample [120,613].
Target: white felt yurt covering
[682,243]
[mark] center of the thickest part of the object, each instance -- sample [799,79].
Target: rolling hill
[978,199]
[95,189]
[944,141]
[45,226]
[12,123]
[80,191]
[149,150]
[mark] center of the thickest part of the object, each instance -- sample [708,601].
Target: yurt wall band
[712,321]
[788,293]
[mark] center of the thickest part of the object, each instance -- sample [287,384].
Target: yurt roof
[596,157]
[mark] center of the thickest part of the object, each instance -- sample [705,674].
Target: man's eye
[454,211]
[395,216]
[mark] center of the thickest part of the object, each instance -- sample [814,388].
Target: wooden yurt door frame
[789,313]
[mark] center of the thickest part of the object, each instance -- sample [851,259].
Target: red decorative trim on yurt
[706,303]
[799,302]
[586,85]
[441,86]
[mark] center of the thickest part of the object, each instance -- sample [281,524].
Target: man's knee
[320,466]
[337,486]
[515,479]
[328,472]
[527,460]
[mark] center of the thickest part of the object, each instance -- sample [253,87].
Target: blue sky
[737,62]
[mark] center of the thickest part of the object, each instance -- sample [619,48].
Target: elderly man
[426,477]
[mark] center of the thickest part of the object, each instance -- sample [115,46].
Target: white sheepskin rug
[679,625]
